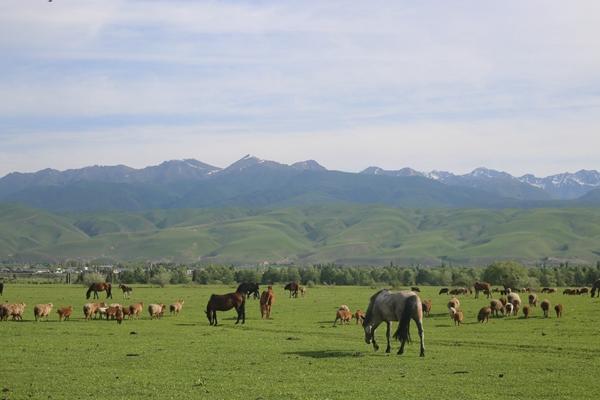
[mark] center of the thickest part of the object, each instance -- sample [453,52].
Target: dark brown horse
[99,287]
[1,288]
[293,287]
[225,302]
[596,288]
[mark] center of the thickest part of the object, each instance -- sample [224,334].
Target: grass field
[296,355]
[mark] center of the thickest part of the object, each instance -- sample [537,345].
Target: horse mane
[240,288]
[370,307]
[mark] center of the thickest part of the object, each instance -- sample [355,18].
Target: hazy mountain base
[340,233]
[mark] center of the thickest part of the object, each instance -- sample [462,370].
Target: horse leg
[375,345]
[421,336]
[387,334]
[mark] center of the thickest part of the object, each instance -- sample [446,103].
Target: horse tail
[403,331]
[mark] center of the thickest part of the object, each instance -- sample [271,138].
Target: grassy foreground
[296,355]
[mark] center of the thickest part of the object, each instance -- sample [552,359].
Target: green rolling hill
[341,233]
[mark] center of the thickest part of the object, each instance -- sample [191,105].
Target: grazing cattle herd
[384,306]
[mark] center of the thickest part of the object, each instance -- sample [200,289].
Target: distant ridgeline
[341,233]
[252,182]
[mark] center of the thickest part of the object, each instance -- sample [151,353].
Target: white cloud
[450,85]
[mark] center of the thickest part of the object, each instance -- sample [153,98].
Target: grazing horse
[394,306]
[482,287]
[1,288]
[596,288]
[225,302]
[267,298]
[249,289]
[443,290]
[126,290]
[99,287]
[293,287]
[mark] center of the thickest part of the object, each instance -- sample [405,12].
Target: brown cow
[484,314]
[482,287]
[342,315]
[156,310]
[176,307]
[559,310]
[533,299]
[458,317]
[41,311]
[426,307]
[545,305]
[497,307]
[64,313]
[359,315]
[136,309]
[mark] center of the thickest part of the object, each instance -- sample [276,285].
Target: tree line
[507,273]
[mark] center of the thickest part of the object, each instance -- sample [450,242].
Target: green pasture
[297,354]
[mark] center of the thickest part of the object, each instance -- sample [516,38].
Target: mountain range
[348,234]
[253,182]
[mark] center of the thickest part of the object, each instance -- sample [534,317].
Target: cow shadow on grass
[325,353]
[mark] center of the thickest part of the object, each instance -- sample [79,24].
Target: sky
[433,85]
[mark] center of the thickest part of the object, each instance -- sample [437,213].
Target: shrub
[92,277]
[161,278]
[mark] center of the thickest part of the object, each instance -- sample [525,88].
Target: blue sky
[429,84]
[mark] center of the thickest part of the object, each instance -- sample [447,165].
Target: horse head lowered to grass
[225,302]
[99,287]
[386,306]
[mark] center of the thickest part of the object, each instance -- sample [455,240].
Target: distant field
[297,354]
[344,234]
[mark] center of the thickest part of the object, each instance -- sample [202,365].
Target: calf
[533,299]
[41,311]
[359,315]
[345,316]
[156,310]
[176,307]
[497,307]
[559,310]
[545,305]
[484,314]
[426,305]
[64,313]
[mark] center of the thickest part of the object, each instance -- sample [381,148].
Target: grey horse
[394,306]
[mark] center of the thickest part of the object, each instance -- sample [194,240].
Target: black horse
[248,288]
[293,287]
[1,288]
[596,288]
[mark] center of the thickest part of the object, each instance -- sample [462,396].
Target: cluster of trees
[511,274]
[156,275]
